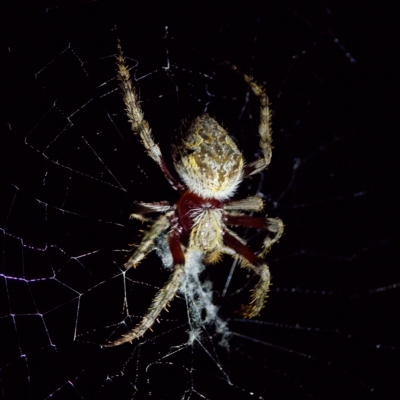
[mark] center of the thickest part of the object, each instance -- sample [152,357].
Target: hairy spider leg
[275,226]
[146,246]
[272,225]
[253,262]
[139,125]
[264,127]
[164,296]
[140,209]
[251,203]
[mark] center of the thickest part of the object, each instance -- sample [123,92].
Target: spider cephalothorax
[211,168]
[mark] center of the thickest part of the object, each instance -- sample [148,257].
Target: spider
[210,167]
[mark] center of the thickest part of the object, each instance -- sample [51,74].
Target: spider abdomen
[209,162]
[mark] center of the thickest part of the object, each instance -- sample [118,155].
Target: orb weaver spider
[210,168]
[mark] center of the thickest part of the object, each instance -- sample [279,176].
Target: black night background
[71,169]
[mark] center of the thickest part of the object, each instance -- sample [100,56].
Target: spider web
[71,170]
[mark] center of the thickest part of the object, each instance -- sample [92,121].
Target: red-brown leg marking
[174,242]
[246,220]
[241,249]
[174,182]
[259,293]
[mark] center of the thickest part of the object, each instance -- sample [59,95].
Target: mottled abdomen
[210,163]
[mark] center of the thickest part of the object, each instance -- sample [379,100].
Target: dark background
[331,326]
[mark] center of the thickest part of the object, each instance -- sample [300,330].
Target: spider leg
[252,203]
[275,226]
[251,261]
[245,220]
[147,244]
[264,127]
[138,124]
[164,296]
[140,209]
[272,225]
